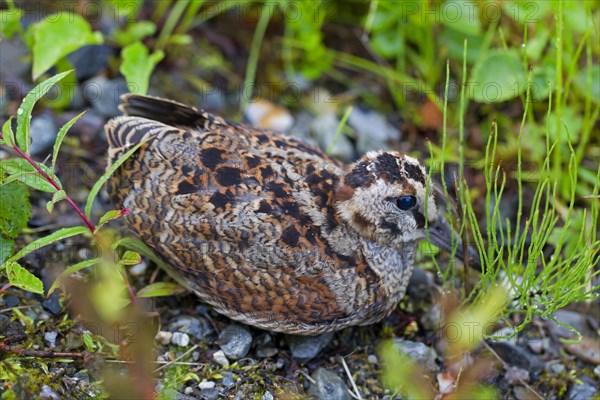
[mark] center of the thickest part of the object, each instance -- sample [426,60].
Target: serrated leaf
[109,171]
[8,134]
[19,169]
[499,77]
[56,197]
[159,289]
[71,270]
[23,279]
[6,248]
[60,234]
[57,36]
[109,216]
[60,136]
[15,210]
[137,66]
[23,134]
[131,258]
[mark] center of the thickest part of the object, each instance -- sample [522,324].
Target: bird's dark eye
[406,202]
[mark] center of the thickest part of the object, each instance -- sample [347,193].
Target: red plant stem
[85,219]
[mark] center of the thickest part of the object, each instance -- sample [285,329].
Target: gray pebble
[206,385]
[517,356]
[209,394]
[195,326]
[188,390]
[220,358]
[328,386]
[585,389]
[180,339]
[372,359]
[556,369]
[48,393]
[418,352]
[89,60]
[50,338]
[324,128]
[372,130]
[104,94]
[235,341]
[43,133]
[267,396]
[305,348]
[228,380]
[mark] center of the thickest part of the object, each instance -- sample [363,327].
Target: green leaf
[23,279]
[8,134]
[6,248]
[138,65]
[134,32]
[56,197]
[15,210]
[60,234]
[161,289]
[131,258]
[61,135]
[24,112]
[57,36]
[71,270]
[499,77]
[109,216]
[462,16]
[10,22]
[19,169]
[109,171]
[88,341]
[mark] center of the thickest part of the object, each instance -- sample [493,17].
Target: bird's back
[247,216]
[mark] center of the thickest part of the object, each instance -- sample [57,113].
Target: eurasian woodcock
[269,230]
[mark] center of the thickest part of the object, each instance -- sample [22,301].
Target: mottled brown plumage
[270,231]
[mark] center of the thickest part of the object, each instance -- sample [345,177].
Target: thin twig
[356,393]
[41,353]
[178,358]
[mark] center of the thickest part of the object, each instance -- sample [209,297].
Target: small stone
[328,386]
[556,368]
[517,356]
[138,269]
[587,349]
[372,130]
[305,348]
[597,371]
[89,60]
[582,389]
[372,359]
[516,375]
[163,337]
[50,338]
[535,346]
[180,339]
[104,94]
[206,384]
[267,396]
[418,352]
[52,304]
[235,341]
[209,394]
[324,129]
[11,301]
[220,358]
[506,334]
[188,390]
[48,393]
[521,393]
[195,326]
[228,379]
[43,133]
